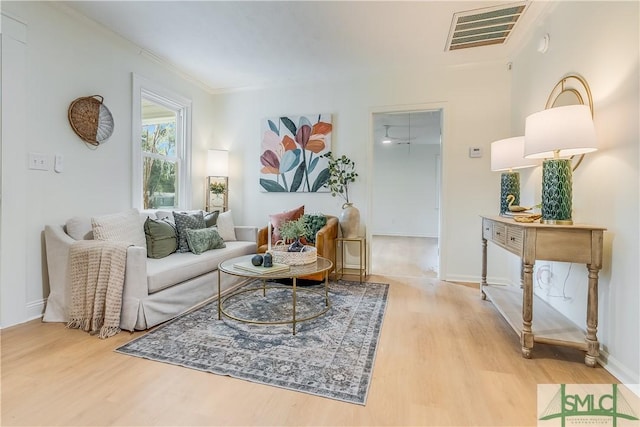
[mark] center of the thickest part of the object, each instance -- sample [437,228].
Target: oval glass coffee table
[241,266]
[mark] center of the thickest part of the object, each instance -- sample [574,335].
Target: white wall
[600,41]
[67,57]
[411,168]
[475,102]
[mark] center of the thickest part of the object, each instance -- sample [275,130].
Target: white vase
[349,220]
[217,200]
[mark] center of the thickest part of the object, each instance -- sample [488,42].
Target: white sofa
[155,290]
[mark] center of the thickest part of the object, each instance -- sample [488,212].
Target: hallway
[404,256]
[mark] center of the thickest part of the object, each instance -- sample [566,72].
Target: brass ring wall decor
[572,89]
[90,119]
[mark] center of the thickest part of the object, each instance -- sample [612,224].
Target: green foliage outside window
[159,171]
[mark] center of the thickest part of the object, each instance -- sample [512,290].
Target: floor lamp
[508,155]
[555,135]
[217,179]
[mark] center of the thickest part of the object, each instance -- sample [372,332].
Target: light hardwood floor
[404,256]
[445,358]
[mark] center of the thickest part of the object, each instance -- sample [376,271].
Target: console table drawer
[499,233]
[486,229]
[514,240]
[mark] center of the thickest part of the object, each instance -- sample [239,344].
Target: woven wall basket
[282,256]
[90,119]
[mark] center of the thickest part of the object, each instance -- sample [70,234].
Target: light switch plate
[475,152]
[38,161]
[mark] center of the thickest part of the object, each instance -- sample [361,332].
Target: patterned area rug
[330,356]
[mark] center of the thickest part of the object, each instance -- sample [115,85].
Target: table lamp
[555,135]
[508,155]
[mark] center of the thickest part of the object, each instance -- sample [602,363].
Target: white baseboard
[35,309]
[385,234]
[617,369]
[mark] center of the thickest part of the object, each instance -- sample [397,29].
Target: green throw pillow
[161,237]
[211,218]
[184,221]
[204,239]
[314,223]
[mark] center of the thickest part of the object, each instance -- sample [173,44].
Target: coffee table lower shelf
[295,292]
[321,265]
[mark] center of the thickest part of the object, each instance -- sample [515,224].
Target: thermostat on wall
[475,152]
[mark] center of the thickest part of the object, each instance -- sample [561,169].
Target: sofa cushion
[184,221]
[124,226]
[79,228]
[161,236]
[204,239]
[210,218]
[280,218]
[226,227]
[179,267]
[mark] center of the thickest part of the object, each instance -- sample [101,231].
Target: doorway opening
[405,219]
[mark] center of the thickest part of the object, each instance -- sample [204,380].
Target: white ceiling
[229,45]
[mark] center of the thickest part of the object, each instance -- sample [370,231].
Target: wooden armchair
[325,243]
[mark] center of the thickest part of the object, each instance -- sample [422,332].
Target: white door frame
[442,231]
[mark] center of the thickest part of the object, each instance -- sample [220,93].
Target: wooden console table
[532,241]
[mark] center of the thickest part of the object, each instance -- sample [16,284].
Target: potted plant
[342,172]
[292,231]
[217,187]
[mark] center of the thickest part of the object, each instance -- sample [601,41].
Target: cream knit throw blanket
[97,278]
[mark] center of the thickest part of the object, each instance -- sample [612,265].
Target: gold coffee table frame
[321,265]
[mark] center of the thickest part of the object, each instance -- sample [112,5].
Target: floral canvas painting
[291,156]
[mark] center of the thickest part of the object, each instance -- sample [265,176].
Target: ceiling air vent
[483,27]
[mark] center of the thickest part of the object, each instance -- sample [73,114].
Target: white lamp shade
[217,163]
[568,129]
[509,154]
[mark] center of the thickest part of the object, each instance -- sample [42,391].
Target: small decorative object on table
[527,218]
[295,253]
[267,260]
[281,255]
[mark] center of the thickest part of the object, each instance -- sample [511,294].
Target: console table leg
[526,337]
[593,346]
[484,269]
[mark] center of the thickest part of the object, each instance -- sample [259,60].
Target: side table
[362,255]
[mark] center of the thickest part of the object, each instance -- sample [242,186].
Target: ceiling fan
[391,139]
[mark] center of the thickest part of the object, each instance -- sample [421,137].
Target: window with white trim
[161,147]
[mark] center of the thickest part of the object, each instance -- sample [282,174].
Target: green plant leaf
[271,186]
[321,180]
[273,127]
[289,124]
[297,178]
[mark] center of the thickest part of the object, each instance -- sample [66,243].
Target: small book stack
[248,266]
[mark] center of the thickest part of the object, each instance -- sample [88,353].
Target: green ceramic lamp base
[509,184]
[556,192]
